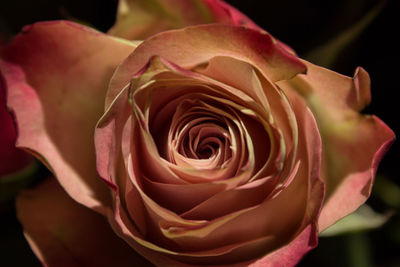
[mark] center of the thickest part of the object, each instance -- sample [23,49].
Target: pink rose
[209,145]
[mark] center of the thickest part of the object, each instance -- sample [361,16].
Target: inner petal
[198,138]
[241,137]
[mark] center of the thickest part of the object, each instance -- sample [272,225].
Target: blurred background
[345,34]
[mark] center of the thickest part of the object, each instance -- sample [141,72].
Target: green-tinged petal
[139,19]
[353,144]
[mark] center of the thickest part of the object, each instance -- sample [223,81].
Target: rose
[247,106]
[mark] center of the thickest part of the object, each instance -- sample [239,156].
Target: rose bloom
[209,145]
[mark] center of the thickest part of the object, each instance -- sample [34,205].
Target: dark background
[304,25]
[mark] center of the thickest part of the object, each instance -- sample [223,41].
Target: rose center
[198,136]
[203,141]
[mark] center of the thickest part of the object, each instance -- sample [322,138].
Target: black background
[303,25]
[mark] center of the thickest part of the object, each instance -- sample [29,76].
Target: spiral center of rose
[198,135]
[197,129]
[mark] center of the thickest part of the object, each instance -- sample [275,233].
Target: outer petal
[353,144]
[139,19]
[56,90]
[11,158]
[63,233]
[290,254]
[192,46]
[225,13]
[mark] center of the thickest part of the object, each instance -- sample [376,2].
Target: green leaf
[361,220]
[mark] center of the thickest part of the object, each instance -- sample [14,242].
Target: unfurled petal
[292,253]
[12,159]
[62,232]
[192,46]
[139,19]
[353,144]
[57,77]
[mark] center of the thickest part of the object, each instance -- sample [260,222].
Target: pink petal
[292,253]
[192,46]
[225,13]
[56,90]
[353,144]
[307,239]
[62,232]
[351,182]
[12,159]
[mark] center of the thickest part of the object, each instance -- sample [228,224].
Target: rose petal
[307,239]
[192,46]
[290,254]
[62,232]
[59,99]
[138,19]
[248,195]
[352,183]
[225,13]
[121,225]
[12,159]
[353,144]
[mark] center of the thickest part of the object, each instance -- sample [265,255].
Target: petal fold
[192,46]
[139,19]
[12,159]
[353,144]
